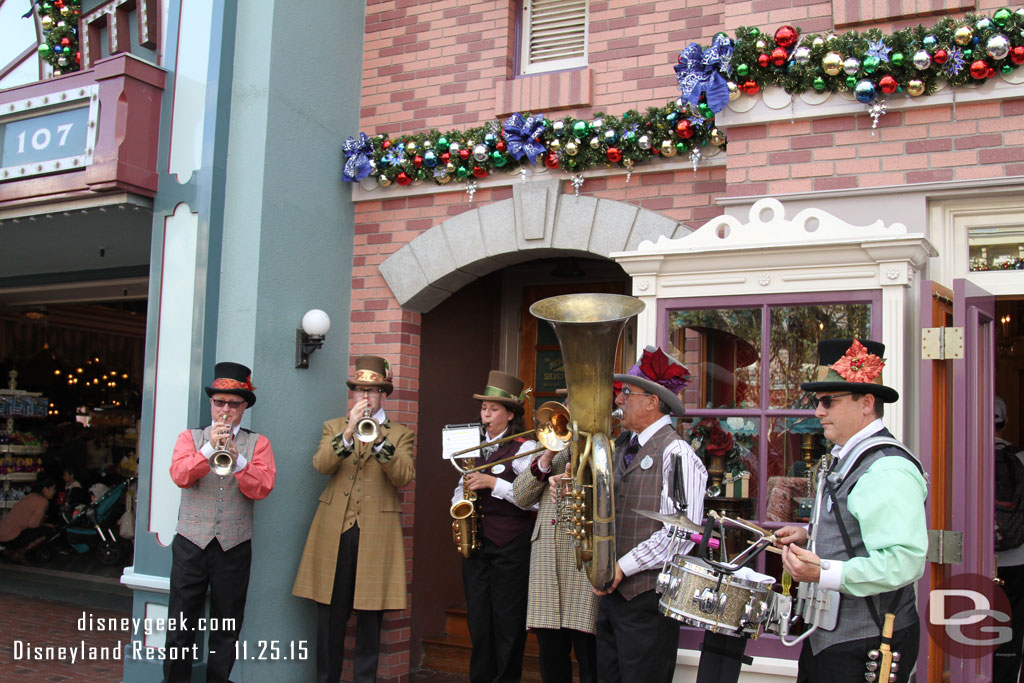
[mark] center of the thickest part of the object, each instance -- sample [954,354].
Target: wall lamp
[310,336]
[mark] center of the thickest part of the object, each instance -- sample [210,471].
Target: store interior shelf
[19,476]
[14,449]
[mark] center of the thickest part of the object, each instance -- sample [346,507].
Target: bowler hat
[232,378]
[851,365]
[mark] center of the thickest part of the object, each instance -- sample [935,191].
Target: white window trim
[526,68]
[950,224]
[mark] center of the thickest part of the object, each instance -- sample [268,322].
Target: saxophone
[465,520]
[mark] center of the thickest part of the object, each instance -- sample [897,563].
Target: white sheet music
[455,438]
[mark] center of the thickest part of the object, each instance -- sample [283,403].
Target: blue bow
[704,72]
[523,136]
[357,158]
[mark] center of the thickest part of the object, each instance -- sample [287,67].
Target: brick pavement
[39,623]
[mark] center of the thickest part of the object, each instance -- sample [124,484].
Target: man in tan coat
[354,556]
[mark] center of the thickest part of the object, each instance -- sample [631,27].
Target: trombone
[553,432]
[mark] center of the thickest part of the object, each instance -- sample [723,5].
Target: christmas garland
[59,49]
[957,52]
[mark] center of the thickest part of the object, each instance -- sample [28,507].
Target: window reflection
[795,447]
[721,348]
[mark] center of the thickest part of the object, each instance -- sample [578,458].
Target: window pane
[996,248]
[721,348]
[795,332]
[795,446]
[728,447]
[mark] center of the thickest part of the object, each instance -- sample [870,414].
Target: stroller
[94,526]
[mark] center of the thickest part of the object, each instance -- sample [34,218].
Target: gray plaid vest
[637,488]
[855,620]
[214,507]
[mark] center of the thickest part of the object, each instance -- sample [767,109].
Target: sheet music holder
[459,437]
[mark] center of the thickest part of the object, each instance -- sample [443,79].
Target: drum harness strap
[834,480]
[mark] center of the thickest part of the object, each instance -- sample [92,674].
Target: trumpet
[367,429]
[223,458]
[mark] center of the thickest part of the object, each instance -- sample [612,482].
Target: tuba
[588,327]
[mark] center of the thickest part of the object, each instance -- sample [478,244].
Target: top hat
[372,371]
[851,365]
[505,389]
[232,378]
[659,374]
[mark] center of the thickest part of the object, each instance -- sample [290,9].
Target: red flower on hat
[658,367]
[857,365]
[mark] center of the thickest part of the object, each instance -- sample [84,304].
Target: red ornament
[655,150]
[386,144]
[762,60]
[615,156]
[58,3]
[417,161]
[940,56]
[779,56]
[888,84]
[445,158]
[65,41]
[684,129]
[991,72]
[479,172]
[500,146]
[551,160]
[750,87]
[403,179]
[78,58]
[786,36]
[979,70]
[464,154]
[1017,55]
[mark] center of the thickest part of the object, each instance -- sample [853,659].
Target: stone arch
[538,221]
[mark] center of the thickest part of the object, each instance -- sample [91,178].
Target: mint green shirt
[888,503]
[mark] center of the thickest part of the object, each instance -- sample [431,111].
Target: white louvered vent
[554,35]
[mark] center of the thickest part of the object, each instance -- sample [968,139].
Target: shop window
[554,35]
[996,247]
[745,412]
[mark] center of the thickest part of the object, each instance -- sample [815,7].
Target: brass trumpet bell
[222,462]
[554,426]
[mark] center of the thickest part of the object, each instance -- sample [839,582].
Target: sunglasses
[826,401]
[220,403]
[627,392]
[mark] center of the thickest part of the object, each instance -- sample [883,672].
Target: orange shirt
[27,513]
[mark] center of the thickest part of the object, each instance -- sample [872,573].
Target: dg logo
[969,616]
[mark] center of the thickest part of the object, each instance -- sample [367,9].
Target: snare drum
[691,593]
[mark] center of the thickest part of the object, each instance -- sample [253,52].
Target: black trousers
[497,582]
[226,574]
[845,662]
[721,657]
[554,646]
[27,536]
[332,619]
[1006,660]
[635,642]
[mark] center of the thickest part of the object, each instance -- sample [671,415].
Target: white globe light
[315,323]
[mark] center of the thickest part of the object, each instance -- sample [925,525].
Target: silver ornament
[818,41]
[480,153]
[644,142]
[453,148]
[761,45]
[802,55]
[851,66]
[997,47]
[734,91]
[922,60]
[597,125]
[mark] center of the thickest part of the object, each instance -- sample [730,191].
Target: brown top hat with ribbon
[505,389]
[659,374]
[372,371]
[851,365]
[232,378]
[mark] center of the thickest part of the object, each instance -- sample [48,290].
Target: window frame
[524,9]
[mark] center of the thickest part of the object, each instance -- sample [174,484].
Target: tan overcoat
[359,480]
[560,595]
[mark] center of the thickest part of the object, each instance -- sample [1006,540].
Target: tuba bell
[588,327]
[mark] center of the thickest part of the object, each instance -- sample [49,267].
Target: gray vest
[637,488]
[214,507]
[855,620]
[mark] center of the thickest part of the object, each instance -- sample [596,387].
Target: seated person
[22,528]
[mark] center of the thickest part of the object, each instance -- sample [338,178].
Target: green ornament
[44,49]
[755,31]
[1002,16]
[672,116]
[851,81]
[819,83]
[498,159]
[47,6]
[705,110]
[742,70]
[968,54]
[580,128]
[462,171]
[869,64]
[897,58]
[681,147]
[442,143]
[1006,68]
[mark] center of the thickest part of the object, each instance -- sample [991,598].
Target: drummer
[635,643]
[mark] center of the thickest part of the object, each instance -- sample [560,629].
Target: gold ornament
[628,163]
[716,137]
[668,149]
[443,178]
[915,88]
[383,180]
[571,148]
[410,147]
[554,145]
[963,35]
[450,167]
[595,142]
[427,144]
[832,63]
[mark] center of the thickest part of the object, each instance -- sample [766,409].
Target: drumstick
[778,551]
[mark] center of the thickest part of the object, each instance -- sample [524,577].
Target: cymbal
[679,520]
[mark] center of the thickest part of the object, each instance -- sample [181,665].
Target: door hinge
[945,547]
[942,343]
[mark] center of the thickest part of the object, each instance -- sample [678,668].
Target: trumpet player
[496,577]
[354,558]
[212,547]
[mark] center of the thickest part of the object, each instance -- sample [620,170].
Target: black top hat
[232,378]
[851,365]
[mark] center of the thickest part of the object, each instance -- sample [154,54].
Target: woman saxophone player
[496,576]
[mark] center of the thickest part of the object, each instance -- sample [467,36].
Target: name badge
[497,469]
[646,463]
